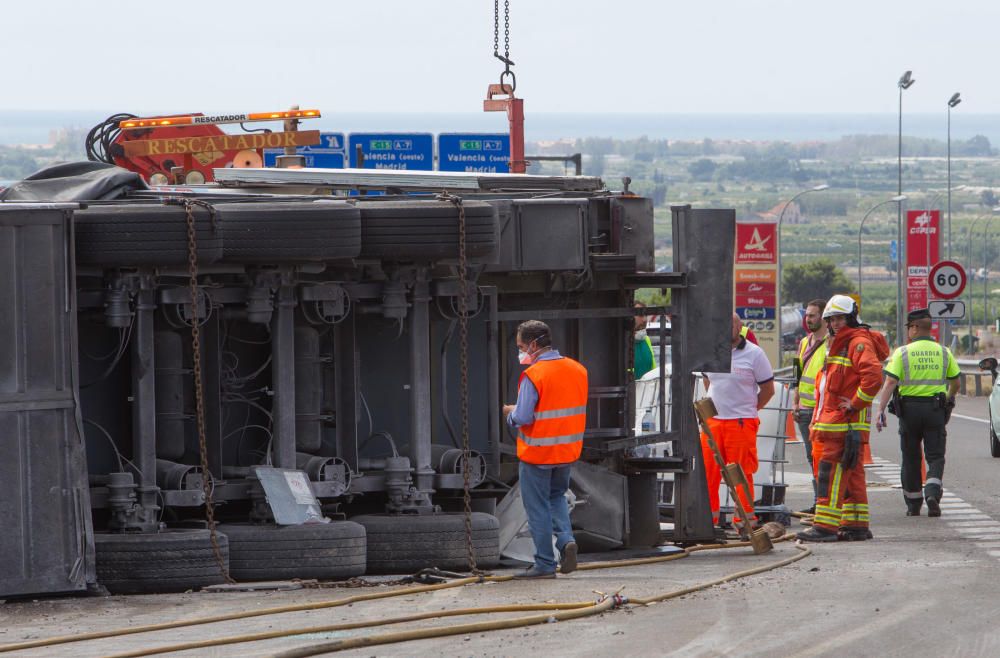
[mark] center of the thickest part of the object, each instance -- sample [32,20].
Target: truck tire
[427,230]
[399,543]
[169,561]
[267,552]
[143,234]
[290,232]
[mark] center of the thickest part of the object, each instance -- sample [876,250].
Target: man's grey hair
[535,331]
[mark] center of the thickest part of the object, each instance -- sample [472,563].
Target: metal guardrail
[970,371]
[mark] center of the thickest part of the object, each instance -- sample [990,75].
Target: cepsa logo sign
[756,243]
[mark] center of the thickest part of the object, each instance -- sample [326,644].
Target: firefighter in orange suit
[851,378]
[551,417]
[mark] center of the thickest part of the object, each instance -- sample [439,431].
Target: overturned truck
[322,357]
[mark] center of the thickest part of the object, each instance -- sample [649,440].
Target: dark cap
[918,314]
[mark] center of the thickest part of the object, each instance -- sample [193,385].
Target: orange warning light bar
[202,120]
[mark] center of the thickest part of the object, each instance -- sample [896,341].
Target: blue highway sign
[485,152]
[393,150]
[330,153]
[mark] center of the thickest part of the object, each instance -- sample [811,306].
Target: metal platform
[395,179]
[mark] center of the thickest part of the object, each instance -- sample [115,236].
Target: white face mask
[526,358]
[640,335]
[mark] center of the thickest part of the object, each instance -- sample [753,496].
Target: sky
[651,56]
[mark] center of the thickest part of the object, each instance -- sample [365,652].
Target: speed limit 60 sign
[947,279]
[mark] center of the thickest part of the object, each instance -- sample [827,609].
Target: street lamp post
[952,102]
[895,199]
[905,82]
[777,290]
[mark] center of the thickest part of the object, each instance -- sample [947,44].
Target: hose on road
[554,611]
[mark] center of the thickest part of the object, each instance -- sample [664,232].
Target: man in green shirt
[926,375]
[644,359]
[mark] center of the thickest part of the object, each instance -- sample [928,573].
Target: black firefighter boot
[854,534]
[913,506]
[817,535]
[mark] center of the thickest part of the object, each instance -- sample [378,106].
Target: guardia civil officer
[922,379]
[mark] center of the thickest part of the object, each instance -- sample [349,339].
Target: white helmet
[839,305]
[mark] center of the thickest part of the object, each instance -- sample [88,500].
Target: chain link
[496,28]
[463,360]
[506,29]
[507,75]
[199,393]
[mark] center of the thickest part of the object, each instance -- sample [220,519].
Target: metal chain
[496,28]
[199,393]
[507,76]
[463,360]
[506,29]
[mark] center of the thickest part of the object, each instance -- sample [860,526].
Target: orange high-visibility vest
[556,434]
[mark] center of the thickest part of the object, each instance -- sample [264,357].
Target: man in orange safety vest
[551,416]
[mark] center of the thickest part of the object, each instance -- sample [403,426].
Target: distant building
[793,215]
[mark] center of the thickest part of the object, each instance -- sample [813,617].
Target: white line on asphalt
[993,553]
[978,516]
[972,525]
[978,420]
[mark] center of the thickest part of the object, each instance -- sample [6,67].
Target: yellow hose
[561,608]
[518,622]
[298,607]
[346,626]
[425,633]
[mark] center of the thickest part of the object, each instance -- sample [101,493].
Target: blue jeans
[543,494]
[802,419]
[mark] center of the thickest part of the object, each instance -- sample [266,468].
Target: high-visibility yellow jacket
[922,368]
[809,369]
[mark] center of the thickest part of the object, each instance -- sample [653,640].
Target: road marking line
[993,553]
[968,517]
[972,524]
[978,420]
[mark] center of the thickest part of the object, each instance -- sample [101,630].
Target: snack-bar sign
[756,243]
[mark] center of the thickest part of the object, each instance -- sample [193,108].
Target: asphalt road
[922,587]
[970,472]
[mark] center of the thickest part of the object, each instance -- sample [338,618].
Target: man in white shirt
[738,395]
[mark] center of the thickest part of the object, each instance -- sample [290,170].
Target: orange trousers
[737,441]
[841,493]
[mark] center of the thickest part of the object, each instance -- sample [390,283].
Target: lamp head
[899,199]
[955,99]
[906,80]
[820,188]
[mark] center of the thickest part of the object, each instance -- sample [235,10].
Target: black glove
[852,449]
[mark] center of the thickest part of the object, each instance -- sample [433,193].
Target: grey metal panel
[46,539]
[408,180]
[551,234]
[632,224]
[702,323]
